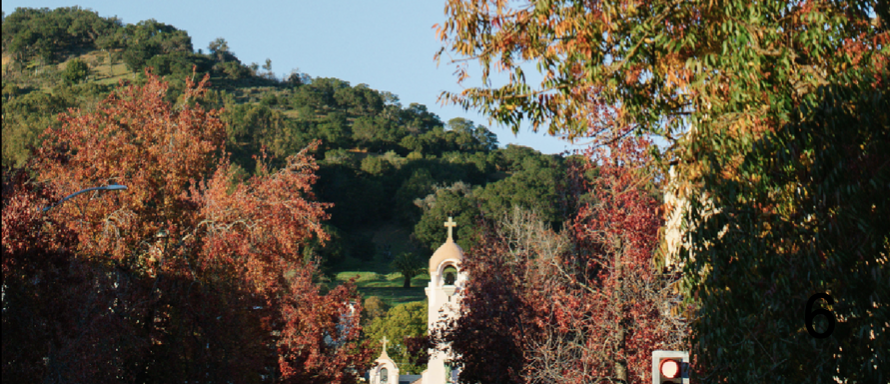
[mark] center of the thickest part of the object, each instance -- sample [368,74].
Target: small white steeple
[385,370]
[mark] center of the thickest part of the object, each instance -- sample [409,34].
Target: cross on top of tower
[383,354]
[450,224]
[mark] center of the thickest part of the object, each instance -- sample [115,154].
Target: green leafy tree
[179,65]
[457,201]
[233,70]
[296,79]
[359,100]
[135,56]
[373,308]
[378,133]
[405,321]
[328,253]
[24,118]
[471,137]
[250,127]
[417,119]
[436,141]
[220,49]
[532,185]
[418,185]
[411,143]
[50,34]
[175,41]
[334,131]
[320,93]
[339,156]
[408,265]
[364,130]
[149,38]
[375,165]
[76,71]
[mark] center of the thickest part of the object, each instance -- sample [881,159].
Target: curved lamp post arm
[112,187]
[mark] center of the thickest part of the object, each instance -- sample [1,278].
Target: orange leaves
[562,28]
[441,34]
[318,341]
[560,36]
[662,67]
[271,214]
[137,140]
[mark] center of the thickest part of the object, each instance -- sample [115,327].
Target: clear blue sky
[388,45]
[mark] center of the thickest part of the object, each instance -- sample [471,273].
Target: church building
[443,297]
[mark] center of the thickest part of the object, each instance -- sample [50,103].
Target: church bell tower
[443,295]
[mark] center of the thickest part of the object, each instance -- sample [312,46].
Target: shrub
[76,71]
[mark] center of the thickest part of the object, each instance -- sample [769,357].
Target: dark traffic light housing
[670,367]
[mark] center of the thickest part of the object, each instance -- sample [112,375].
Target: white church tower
[443,295]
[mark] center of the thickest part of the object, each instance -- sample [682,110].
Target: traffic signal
[670,367]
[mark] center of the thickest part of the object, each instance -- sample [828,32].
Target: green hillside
[394,172]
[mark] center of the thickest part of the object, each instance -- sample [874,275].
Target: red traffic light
[670,368]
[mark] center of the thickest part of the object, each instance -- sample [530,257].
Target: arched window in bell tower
[384,376]
[450,275]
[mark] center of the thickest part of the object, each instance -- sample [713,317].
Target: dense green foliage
[76,71]
[808,214]
[46,34]
[24,117]
[401,322]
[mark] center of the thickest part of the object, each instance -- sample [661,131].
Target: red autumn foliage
[579,306]
[186,275]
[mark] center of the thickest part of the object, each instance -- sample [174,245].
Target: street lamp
[112,187]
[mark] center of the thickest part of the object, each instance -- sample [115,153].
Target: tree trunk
[110,65]
[621,363]
[406,283]
[620,330]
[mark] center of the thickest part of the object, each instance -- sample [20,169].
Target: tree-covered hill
[382,164]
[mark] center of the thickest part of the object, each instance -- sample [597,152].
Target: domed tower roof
[446,251]
[449,250]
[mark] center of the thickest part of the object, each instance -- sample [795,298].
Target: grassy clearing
[386,286]
[291,113]
[101,71]
[375,277]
